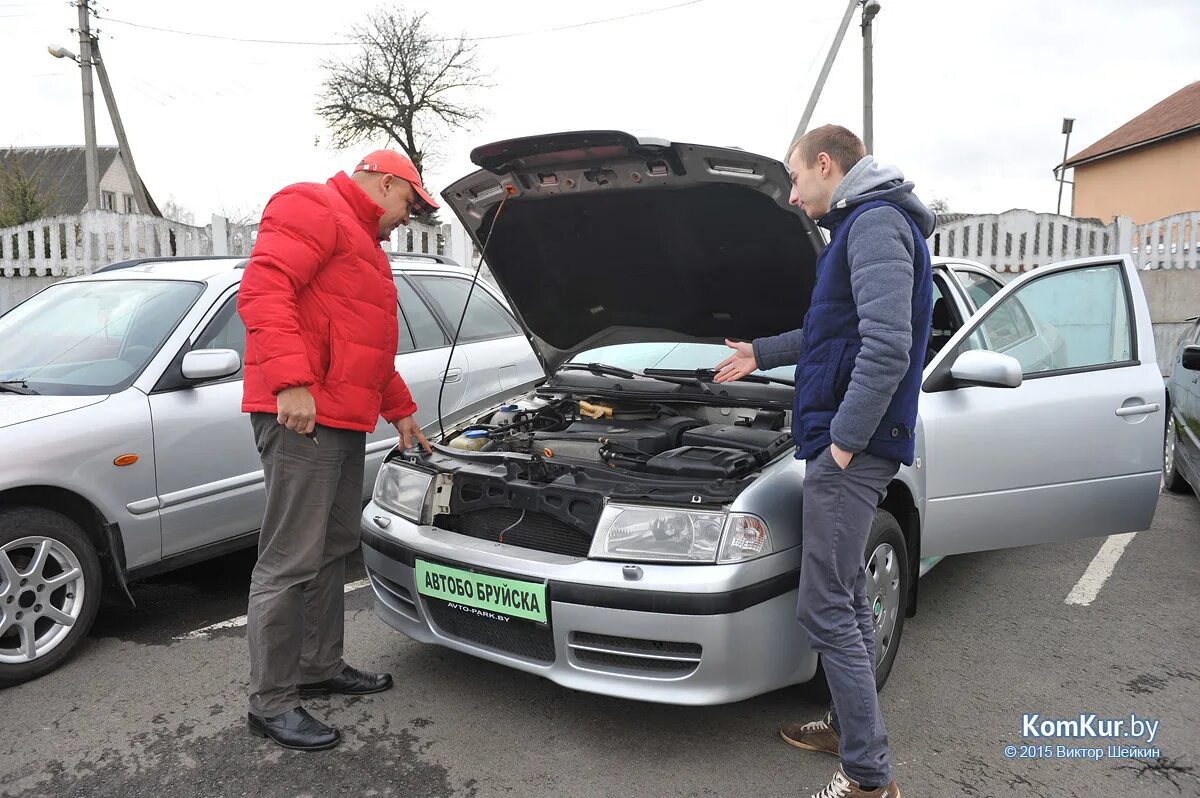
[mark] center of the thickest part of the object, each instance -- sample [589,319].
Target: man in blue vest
[858,358]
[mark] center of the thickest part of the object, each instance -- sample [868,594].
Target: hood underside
[601,238]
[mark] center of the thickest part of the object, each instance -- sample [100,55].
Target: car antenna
[509,190]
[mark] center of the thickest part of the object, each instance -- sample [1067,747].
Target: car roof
[959,263]
[212,268]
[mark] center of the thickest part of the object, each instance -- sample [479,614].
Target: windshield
[90,337]
[641,356]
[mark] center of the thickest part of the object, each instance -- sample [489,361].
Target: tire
[1173,479]
[887,572]
[885,551]
[54,601]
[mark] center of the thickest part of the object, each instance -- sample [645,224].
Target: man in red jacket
[319,307]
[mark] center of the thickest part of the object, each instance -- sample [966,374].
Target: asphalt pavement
[154,704]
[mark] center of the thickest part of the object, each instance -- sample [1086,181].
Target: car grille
[518,636]
[537,531]
[624,655]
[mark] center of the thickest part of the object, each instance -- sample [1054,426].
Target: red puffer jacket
[319,307]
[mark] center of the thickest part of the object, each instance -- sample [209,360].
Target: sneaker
[842,786]
[816,736]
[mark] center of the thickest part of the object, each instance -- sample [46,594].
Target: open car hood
[605,238]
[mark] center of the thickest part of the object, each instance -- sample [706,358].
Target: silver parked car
[629,527]
[1181,450]
[125,451]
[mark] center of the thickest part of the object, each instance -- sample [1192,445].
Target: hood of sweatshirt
[870,180]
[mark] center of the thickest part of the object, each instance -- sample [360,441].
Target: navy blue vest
[831,343]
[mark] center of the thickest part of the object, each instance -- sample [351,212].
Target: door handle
[452,375]
[1138,410]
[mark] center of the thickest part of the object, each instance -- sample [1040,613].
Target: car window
[980,288]
[943,324]
[1075,319]
[423,330]
[90,337]
[1007,326]
[225,331]
[485,318]
[404,338]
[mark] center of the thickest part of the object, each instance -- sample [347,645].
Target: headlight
[403,490]
[746,537]
[657,533]
[663,534]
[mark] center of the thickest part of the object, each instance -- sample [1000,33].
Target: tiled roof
[1177,114]
[61,173]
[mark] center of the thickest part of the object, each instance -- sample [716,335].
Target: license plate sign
[511,597]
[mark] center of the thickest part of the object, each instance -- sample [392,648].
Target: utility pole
[1068,125]
[139,189]
[870,9]
[833,50]
[89,106]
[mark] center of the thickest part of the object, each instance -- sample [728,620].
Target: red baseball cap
[393,163]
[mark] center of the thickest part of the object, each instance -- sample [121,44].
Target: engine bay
[685,441]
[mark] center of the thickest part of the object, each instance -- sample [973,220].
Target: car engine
[643,438]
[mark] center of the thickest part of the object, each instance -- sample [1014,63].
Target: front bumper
[679,634]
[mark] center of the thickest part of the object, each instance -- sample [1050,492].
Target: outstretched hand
[737,365]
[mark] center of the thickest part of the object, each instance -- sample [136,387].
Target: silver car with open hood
[628,527]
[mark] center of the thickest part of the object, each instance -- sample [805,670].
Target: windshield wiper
[17,386]
[709,375]
[602,369]
[662,375]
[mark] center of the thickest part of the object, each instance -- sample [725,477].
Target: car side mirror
[986,369]
[210,364]
[1191,358]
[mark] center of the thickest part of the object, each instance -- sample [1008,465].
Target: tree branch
[402,83]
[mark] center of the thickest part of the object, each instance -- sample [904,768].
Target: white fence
[62,246]
[1018,240]
[34,255]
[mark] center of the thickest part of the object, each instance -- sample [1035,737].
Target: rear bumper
[680,635]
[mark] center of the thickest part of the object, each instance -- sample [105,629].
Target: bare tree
[939,206]
[239,215]
[177,213]
[403,84]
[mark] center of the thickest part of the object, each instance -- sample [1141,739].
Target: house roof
[61,173]
[1176,115]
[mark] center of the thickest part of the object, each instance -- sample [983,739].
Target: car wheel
[50,583]
[1172,479]
[887,590]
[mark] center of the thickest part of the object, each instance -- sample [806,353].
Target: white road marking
[1100,569]
[233,623]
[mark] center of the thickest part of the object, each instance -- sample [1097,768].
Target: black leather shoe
[351,681]
[295,729]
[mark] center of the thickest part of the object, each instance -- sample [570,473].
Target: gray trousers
[839,509]
[295,618]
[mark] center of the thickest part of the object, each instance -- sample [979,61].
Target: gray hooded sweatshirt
[881,251]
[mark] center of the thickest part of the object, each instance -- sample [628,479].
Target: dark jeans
[295,618]
[839,509]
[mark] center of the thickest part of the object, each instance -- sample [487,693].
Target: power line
[345,43]
[222,38]
[586,24]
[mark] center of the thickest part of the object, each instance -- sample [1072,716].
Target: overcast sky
[969,96]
